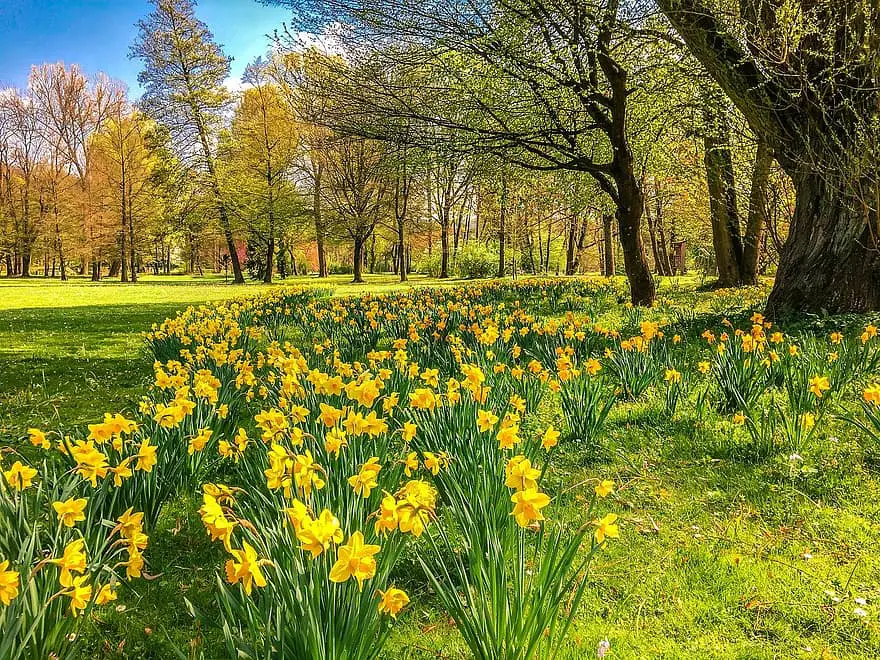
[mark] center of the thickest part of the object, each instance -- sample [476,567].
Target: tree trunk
[319,222]
[662,242]
[608,245]
[444,241]
[401,251]
[502,226]
[270,244]
[571,263]
[831,259]
[726,236]
[358,260]
[757,213]
[132,261]
[652,234]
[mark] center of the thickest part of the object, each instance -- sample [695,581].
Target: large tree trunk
[831,259]
[757,213]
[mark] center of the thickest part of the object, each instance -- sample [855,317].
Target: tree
[262,149]
[804,76]
[183,78]
[70,108]
[300,77]
[125,163]
[26,147]
[356,192]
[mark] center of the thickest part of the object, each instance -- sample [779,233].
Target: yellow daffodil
[392,601]
[70,511]
[355,559]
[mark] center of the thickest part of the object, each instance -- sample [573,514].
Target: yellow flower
[366,480]
[739,418]
[80,593]
[871,395]
[215,521]
[411,463]
[70,511]
[317,535]
[307,473]
[423,399]
[245,568]
[392,601]
[508,436]
[431,377]
[355,559]
[146,456]
[415,506]
[130,524]
[550,438]
[435,462]
[604,488]
[836,337]
[91,463]
[9,583]
[527,506]
[73,560]
[593,366]
[672,376]
[329,416]
[409,431]
[198,441]
[809,420]
[335,440]
[606,528]
[819,384]
[486,420]
[520,473]
[106,594]
[20,476]
[38,438]
[703,367]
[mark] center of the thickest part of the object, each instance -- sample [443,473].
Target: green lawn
[720,556]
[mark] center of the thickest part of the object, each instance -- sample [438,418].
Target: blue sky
[96,34]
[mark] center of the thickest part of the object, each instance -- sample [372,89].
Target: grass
[720,557]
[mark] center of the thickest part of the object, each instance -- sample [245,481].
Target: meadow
[730,464]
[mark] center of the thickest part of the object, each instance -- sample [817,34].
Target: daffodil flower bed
[327,437]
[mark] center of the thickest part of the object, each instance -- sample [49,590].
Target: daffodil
[245,568]
[20,476]
[392,601]
[9,583]
[550,438]
[70,511]
[527,506]
[606,528]
[604,488]
[355,559]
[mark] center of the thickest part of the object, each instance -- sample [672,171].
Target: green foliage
[476,261]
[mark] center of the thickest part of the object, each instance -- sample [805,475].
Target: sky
[96,34]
